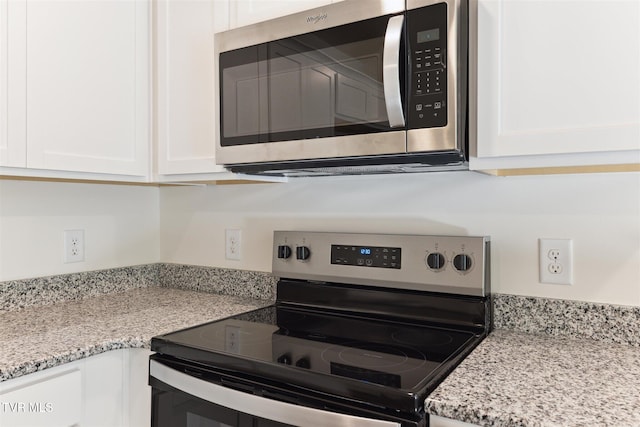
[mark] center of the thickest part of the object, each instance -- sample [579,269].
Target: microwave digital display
[429,35]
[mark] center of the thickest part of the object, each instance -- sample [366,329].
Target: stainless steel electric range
[364,327]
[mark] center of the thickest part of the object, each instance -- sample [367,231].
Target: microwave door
[332,93]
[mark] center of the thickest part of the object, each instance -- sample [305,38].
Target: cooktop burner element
[379,334]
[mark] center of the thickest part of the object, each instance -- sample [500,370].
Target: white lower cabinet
[109,389]
[46,399]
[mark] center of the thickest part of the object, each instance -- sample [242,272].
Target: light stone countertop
[40,337]
[521,379]
[513,378]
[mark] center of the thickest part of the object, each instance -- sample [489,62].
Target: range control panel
[450,264]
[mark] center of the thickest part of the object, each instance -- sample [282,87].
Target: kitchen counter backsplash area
[18,294]
[576,319]
[240,283]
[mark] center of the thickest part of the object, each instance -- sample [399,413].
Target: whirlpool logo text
[317,18]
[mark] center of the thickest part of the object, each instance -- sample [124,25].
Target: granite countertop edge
[40,364]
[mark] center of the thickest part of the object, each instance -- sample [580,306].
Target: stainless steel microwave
[358,86]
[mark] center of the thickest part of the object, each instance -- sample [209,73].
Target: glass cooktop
[298,342]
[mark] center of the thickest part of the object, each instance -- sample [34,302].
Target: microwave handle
[391,71]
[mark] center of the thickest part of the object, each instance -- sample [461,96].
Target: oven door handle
[391,71]
[269,409]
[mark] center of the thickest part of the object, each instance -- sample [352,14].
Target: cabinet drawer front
[50,402]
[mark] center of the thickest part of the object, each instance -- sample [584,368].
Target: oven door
[333,92]
[183,400]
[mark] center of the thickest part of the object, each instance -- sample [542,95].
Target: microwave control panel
[427,47]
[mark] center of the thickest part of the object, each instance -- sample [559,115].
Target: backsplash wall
[134,225]
[120,224]
[600,212]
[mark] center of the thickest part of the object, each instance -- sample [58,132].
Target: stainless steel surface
[451,138]
[473,78]
[391,71]
[413,274]
[341,146]
[340,13]
[370,169]
[258,406]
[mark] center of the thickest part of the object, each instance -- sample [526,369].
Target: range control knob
[285,359]
[462,262]
[435,261]
[302,253]
[284,251]
[303,363]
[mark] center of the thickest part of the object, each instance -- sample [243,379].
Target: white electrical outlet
[73,246]
[556,261]
[233,244]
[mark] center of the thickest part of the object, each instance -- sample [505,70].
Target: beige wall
[600,212]
[130,225]
[121,225]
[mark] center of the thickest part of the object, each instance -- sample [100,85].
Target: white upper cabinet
[185,92]
[245,12]
[88,86]
[13,149]
[78,92]
[558,83]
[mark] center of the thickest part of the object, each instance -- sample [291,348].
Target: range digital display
[366,256]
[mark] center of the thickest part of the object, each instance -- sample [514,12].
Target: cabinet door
[558,78]
[12,84]
[186,101]
[103,388]
[138,394]
[48,400]
[245,12]
[87,86]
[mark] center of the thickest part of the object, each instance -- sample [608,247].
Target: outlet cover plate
[556,261]
[73,246]
[233,244]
